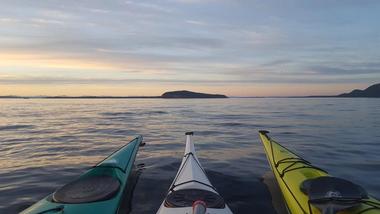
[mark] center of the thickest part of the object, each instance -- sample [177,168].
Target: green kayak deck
[99,190]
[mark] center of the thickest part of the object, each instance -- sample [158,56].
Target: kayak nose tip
[189,133]
[263,132]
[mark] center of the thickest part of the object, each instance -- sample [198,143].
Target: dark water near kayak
[46,143]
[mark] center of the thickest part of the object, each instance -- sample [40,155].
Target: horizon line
[146,97]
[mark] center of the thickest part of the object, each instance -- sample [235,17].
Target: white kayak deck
[191,175]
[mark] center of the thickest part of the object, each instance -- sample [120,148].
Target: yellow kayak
[310,190]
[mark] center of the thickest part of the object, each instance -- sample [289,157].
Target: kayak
[191,191]
[308,189]
[99,190]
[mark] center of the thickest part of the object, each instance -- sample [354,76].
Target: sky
[233,47]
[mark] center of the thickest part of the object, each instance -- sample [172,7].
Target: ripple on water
[15,127]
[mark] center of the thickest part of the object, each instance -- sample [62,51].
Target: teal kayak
[99,190]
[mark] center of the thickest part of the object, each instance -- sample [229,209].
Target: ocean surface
[45,143]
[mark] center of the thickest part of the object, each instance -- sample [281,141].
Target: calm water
[46,143]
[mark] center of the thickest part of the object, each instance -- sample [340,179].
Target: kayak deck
[99,190]
[291,171]
[191,184]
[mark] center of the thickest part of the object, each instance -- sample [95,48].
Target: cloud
[277,62]
[125,81]
[9,20]
[150,6]
[361,69]
[63,80]
[225,41]
[188,2]
[195,22]
[47,21]
[97,10]
[56,14]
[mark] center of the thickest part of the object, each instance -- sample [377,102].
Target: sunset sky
[234,47]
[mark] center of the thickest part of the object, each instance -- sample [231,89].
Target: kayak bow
[191,191]
[310,190]
[99,190]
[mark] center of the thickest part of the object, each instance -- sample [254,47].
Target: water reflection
[46,143]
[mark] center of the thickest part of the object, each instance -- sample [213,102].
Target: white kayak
[191,191]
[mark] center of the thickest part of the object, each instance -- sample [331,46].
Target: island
[371,91]
[190,94]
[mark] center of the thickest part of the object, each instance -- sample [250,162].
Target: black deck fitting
[189,133]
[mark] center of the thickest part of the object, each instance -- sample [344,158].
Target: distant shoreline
[371,92]
[80,97]
[157,97]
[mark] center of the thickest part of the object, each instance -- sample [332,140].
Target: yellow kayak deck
[290,171]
